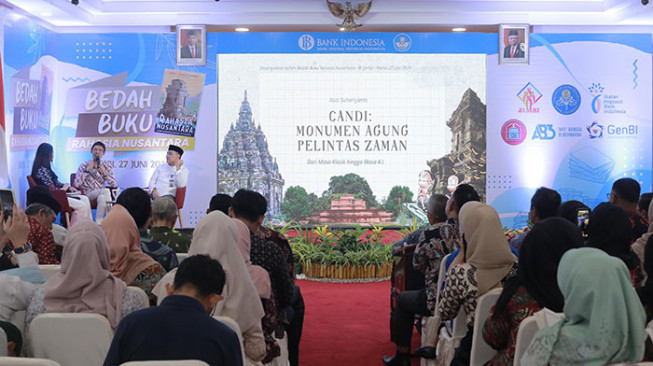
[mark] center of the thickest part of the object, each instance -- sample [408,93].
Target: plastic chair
[481,351]
[3,343]
[21,361]
[527,329]
[431,324]
[60,196]
[166,363]
[234,326]
[282,360]
[180,197]
[49,269]
[181,257]
[74,339]
[142,293]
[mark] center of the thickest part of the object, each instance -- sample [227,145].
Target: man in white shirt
[168,177]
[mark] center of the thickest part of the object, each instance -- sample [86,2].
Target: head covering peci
[539,257]
[84,283]
[487,247]
[259,275]
[176,149]
[127,258]
[603,318]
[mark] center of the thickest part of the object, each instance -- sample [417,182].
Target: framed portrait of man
[191,45]
[514,44]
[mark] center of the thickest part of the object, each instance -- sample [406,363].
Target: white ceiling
[312,15]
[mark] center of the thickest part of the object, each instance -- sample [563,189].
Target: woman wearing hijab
[484,262]
[604,320]
[85,283]
[128,262]
[216,236]
[640,244]
[610,230]
[534,288]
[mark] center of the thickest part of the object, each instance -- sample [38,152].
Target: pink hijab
[84,283]
[259,275]
[127,258]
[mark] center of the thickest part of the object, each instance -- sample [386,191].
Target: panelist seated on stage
[92,178]
[44,176]
[168,177]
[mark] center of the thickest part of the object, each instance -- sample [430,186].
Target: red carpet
[346,324]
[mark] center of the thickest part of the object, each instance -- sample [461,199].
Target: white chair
[481,351]
[527,329]
[142,293]
[18,319]
[74,339]
[181,256]
[21,361]
[49,269]
[166,363]
[282,360]
[431,324]
[234,326]
[3,343]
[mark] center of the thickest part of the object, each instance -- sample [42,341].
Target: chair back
[180,197]
[21,361]
[142,293]
[49,269]
[236,328]
[181,257]
[30,181]
[481,351]
[3,342]
[74,339]
[166,363]
[527,329]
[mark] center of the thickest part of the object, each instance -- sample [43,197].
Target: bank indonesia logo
[595,130]
[544,132]
[513,132]
[306,42]
[596,90]
[402,42]
[566,99]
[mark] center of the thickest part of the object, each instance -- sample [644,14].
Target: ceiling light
[459,29]
[242,29]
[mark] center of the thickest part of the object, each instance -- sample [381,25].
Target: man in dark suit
[513,49]
[192,49]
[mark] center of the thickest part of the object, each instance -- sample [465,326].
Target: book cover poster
[181,92]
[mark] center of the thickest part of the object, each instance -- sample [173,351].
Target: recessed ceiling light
[459,29]
[46,14]
[242,29]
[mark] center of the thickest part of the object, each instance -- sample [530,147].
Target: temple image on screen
[245,161]
[466,161]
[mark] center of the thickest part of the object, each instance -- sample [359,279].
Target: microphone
[97,161]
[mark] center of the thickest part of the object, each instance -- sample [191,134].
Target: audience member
[138,203]
[645,292]
[544,204]
[216,236]
[625,194]
[569,210]
[41,194]
[250,207]
[640,245]
[43,175]
[484,262]
[220,202]
[181,327]
[533,288]
[610,230]
[92,177]
[16,230]
[40,219]
[164,217]
[170,176]
[438,240]
[14,339]
[84,283]
[643,204]
[128,262]
[261,281]
[603,319]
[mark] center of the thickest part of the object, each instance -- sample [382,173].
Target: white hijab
[216,236]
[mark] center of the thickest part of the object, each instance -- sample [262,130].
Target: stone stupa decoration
[245,161]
